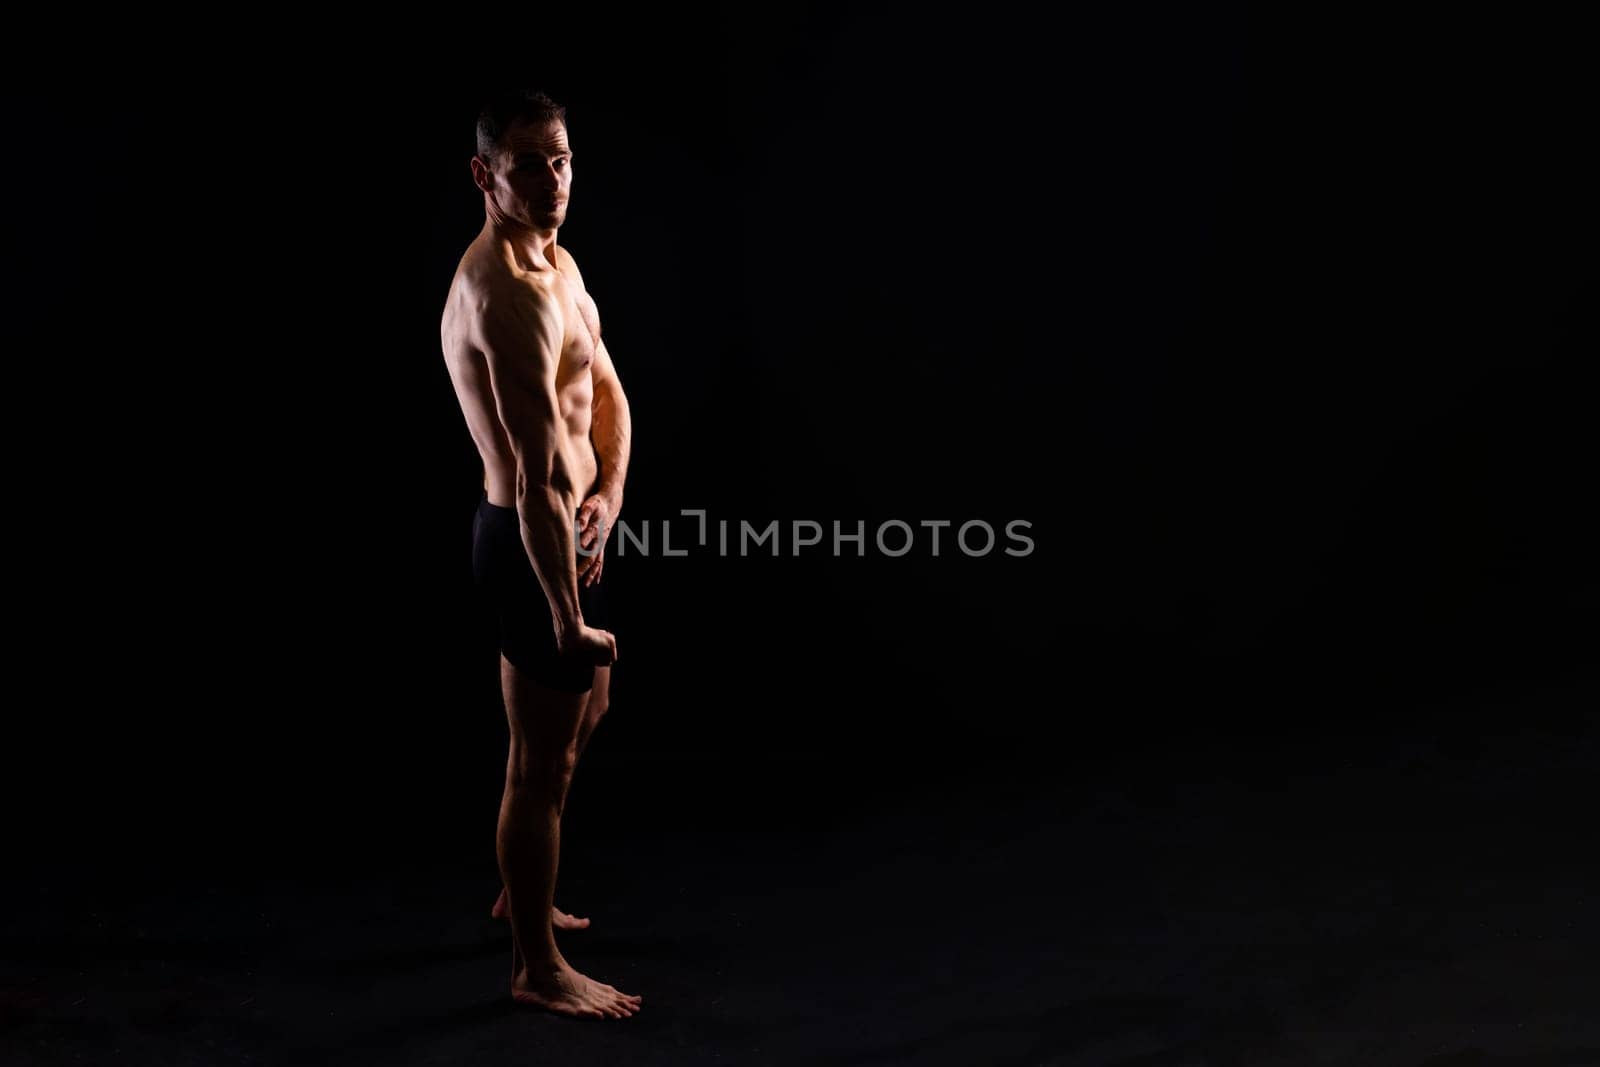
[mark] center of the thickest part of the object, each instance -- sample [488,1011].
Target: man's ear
[482,174]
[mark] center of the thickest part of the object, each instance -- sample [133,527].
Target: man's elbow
[542,475]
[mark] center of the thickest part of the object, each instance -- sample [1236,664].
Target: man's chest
[581,330]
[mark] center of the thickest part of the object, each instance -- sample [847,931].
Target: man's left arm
[611,431]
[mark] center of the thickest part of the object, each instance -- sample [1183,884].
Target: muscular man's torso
[484,268]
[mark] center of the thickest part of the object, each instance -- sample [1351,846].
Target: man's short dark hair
[501,111]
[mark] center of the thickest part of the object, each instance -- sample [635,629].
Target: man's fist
[587,644]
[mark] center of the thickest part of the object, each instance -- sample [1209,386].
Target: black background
[1270,331]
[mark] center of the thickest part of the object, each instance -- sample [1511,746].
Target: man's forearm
[547,536]
[612,433]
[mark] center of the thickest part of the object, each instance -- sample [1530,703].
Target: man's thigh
[543,719]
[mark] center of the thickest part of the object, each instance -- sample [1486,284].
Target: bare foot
[569,993]
[558,918]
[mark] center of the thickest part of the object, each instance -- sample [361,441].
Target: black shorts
[511,592]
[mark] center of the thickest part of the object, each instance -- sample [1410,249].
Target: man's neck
[530,249]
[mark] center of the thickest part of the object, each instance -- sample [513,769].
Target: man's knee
[540,771]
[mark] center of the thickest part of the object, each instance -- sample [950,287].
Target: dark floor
[1428,902]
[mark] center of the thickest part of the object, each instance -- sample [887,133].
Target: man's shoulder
[513,313]
[489,287]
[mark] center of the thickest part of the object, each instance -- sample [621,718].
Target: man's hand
[595,517]
[589,569]
[587,644]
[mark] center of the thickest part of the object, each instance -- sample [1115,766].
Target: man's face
[533,171]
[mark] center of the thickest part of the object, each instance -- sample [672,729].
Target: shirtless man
[521,339]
